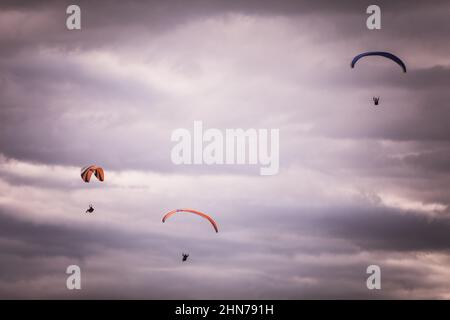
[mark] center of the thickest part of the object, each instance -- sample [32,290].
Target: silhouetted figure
[376,100]
[185,256]
[91,209]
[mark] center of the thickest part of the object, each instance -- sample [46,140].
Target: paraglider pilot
[185,256]
[376,100]
[91,209]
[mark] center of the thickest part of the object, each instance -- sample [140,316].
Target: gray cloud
[358,185]
[265,264]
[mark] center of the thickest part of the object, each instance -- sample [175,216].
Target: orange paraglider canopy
[87,172]
[201,214]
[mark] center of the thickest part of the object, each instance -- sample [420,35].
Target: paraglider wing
[100,174]
[201,214]
[382,54]
[86,173]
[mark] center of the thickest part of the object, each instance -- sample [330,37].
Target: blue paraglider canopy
[382,54]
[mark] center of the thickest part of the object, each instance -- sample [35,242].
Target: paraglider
[87,172]
[376,100]
[90,209]
[201,214]
[381,54]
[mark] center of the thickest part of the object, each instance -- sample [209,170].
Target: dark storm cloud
[30,125]
[390,230]
[426,121]
[404,18]
[366,227]
[432,161]
[415,104]
[435,78]
[282,6]
[37,239]
[432,79]
[29,241]
[42,242]
[47,132]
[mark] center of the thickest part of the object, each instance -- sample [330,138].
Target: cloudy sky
[357,185]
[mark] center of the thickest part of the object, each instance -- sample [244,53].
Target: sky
[358,185]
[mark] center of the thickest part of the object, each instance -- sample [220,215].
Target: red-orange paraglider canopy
[87,172]
[201,214]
